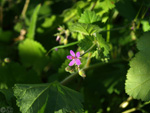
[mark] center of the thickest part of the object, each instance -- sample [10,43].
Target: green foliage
[86,29]
[146,26]
[102,44]
[86,43]
[44,98]
[138,80]
[32,26]
[89,17]
[32,53]
[100,30]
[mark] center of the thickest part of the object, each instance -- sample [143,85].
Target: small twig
[25,9]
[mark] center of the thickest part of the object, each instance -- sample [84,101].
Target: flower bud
[65,41]
[82,73]
[58,38]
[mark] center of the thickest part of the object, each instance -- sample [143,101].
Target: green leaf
[32,53]
[86,43]
[86,29]
[103,45]
[49,21]
[146,25]
[32,26]
[107,5]
[50,98]
[89,17]
[104,6]
[138,76]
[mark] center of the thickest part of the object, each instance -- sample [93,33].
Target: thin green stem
[116,29]
[88,49]
[138,13]
[94,4]
[108,32]
[74,75]
[62,46]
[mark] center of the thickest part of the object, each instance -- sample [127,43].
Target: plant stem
[116,29]
[108,32]
[25,9]
[62,46]
[130,110]
[74,75]
[88,49]
[94,4]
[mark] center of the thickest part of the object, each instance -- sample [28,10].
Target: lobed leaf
[89,17]
[32,53]
[86,29]
[138,76]
[47,98]
[86,43]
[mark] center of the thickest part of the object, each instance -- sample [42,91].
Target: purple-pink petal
[58,38]
[72,63]
[69,57]
[78,54]
[78,62]
[72,53]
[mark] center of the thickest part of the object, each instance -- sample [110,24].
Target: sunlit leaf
[32,53]
[49,21]
[50,98]
[146,25]
[89,17]
[86,29]
[138,76]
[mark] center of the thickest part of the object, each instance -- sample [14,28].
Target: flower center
[74,57]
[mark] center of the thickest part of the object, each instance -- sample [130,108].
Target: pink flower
[75,58]
[58,38]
